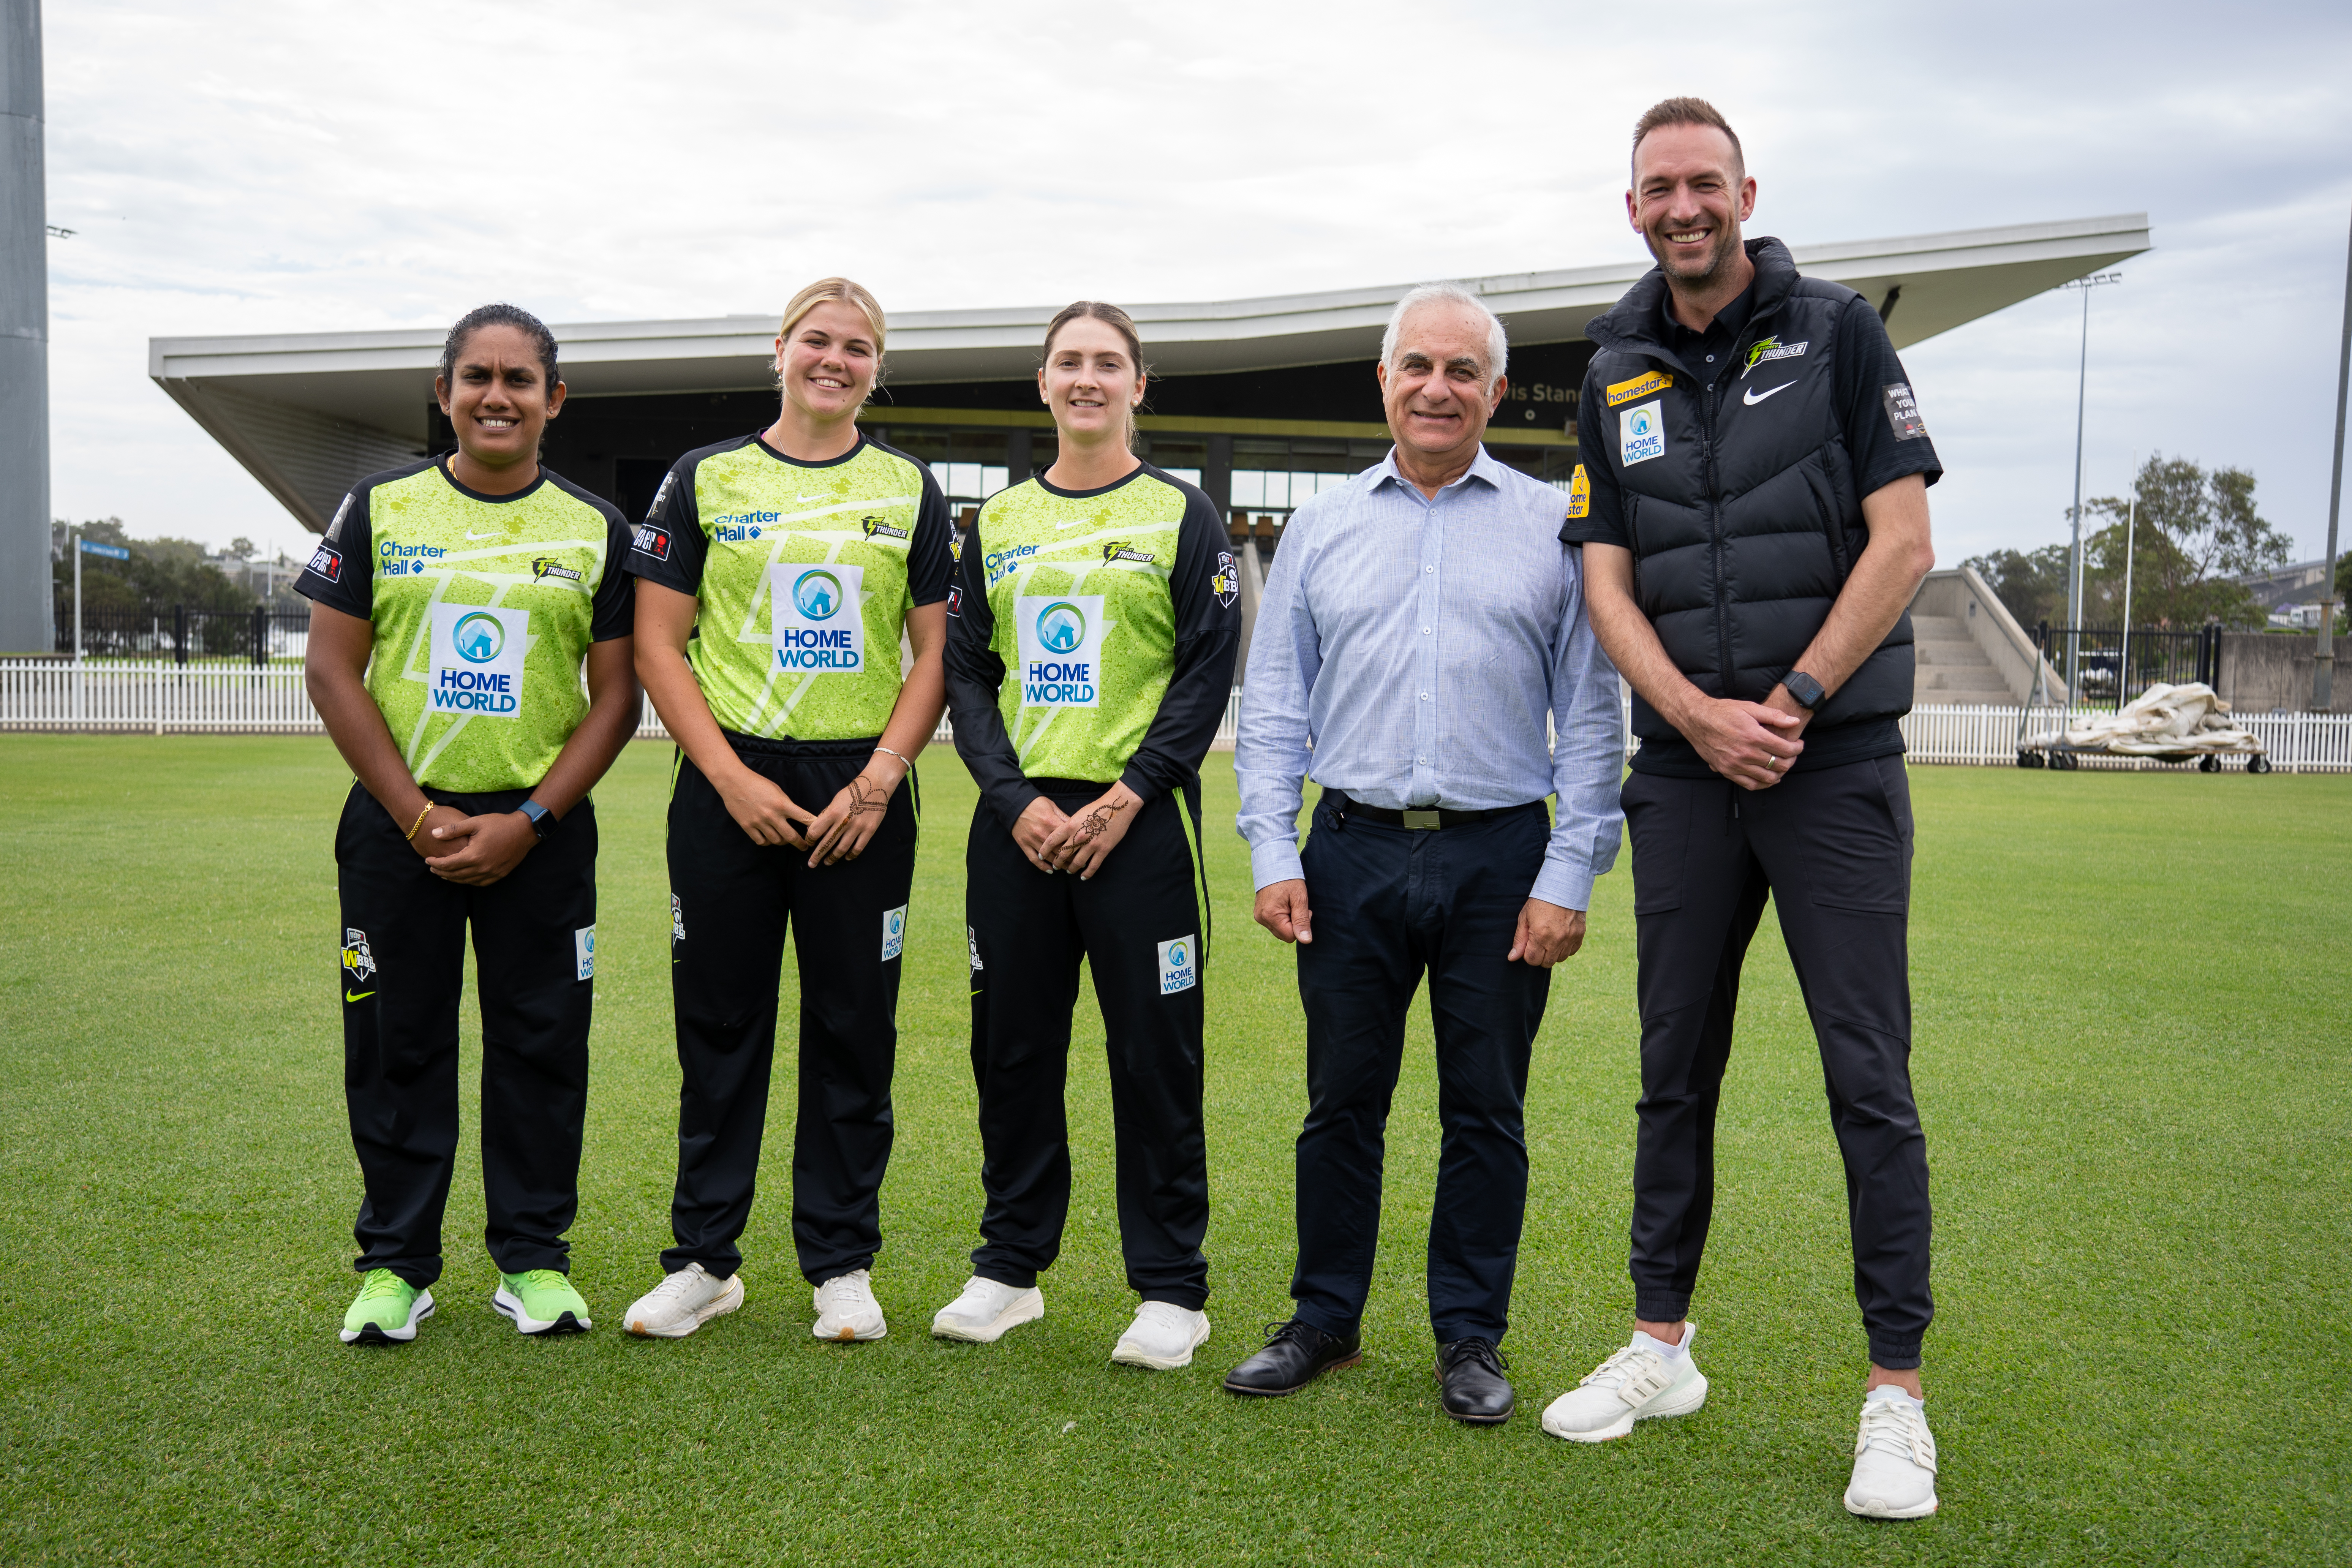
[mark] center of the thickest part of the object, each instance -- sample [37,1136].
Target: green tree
[2033,587]
[161,576]
[2194,530]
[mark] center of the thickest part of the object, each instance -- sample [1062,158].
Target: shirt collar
[1482,466]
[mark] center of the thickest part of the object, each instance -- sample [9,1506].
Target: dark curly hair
[514,316]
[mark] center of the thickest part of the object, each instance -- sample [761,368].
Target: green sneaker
[386,1310]
[542,1302]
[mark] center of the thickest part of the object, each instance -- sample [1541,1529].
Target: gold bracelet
[908,765]
[411,834]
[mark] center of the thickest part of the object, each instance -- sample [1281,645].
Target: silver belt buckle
[1421,821]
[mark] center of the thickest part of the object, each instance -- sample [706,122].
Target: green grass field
[2131,1052]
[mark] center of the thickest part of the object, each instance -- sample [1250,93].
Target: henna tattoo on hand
[864,797]
[1098,821]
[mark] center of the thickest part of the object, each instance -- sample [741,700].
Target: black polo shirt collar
[1706,353]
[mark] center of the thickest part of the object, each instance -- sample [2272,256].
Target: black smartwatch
[542,820]
[1805,690]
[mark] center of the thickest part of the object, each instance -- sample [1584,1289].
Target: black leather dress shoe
[1296,1354]
[1475,1388]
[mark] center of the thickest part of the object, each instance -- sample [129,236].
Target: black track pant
[404,967]
[1390,903]
[1140,924]
[1832,849]
[730,902]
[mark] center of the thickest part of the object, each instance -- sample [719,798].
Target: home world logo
[477,655]
[819,628]
[1060,642]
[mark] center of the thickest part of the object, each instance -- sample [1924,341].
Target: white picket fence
[161,697]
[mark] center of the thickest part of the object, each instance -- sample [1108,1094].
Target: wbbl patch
[677,921]
[893,933]
[357,958]
[972,946]
[1227,582]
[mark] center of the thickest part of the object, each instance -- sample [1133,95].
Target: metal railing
[160,697]
[255,635]
[2106,667]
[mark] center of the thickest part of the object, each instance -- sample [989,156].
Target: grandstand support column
[2323,664]
[25,611]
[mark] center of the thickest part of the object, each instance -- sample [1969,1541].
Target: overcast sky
[296,167]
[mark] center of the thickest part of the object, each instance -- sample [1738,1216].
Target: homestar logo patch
[1579,494]
[478,653]
[1179,968]
[1640,386]
[1642,433]
[818,618]
[1061,649]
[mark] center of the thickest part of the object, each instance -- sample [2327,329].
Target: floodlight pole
[2322,663]
[73,542]
[2123,660]
[27,608]
[2075,555]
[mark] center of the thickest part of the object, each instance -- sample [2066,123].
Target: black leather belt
[1420,820]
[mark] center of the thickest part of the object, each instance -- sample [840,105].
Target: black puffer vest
[1740,499]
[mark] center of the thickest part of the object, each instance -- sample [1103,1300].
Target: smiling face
[828,362]
[1437,389]
[1689,197]
[1091,380]
[496,398]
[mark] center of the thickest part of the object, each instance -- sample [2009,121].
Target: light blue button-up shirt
[1409,651]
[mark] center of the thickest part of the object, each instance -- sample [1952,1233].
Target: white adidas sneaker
[1636,1384]
[1164,1336]
[1894,1459]
[846,1309]
[683,1303]
[985,1310]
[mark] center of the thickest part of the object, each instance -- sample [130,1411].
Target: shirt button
[1424,631]
[1429,568]
[1421,760]
[1424,696]
[1710,359]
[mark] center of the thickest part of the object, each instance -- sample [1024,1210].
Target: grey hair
[1498,348]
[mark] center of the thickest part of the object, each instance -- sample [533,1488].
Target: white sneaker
[1894,1459]
[1163,1335]
[1636,1384]
[846,1309]
[684,1302]
[985,1310]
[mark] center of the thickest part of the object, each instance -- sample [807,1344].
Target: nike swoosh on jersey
[471,534]
[1752,396]
[812,498]
[357,995]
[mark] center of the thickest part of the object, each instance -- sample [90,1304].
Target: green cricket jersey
[1091,637]
[483,608]
[803,575]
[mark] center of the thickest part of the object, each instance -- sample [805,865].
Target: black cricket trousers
[1141,926]
[1389,904]
[403,971]
[731,901]
[1833,850]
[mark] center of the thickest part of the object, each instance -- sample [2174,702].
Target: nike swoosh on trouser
[357,995]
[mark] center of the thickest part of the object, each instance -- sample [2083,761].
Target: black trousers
[1132,923]
[1832,849]
[731,901]
[1390,904]
[403,970]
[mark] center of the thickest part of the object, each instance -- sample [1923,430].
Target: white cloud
[279,167]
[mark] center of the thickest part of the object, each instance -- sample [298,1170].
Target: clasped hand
[841,832]
[1753,744]
[1079,842]
[474,850]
